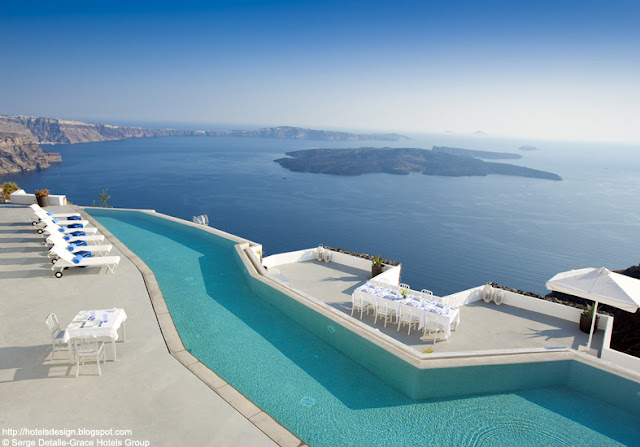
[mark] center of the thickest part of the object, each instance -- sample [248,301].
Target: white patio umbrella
[600,285]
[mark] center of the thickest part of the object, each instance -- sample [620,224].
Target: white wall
[350,260]
[391,273]
[620,358]
[22,198]
[465,297]
[289,257]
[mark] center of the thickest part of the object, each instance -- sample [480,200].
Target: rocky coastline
[57,131]
[20,153]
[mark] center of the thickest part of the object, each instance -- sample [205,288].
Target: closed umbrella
[600,285]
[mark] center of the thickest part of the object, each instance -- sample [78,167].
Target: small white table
[97,323]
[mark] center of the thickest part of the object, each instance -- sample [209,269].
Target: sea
[449,233]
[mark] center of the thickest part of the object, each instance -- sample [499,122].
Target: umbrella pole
[593,324]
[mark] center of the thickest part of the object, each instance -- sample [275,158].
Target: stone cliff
[51,130]
[22,153]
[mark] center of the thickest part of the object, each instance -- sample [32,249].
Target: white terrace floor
[482,326]
[147,390]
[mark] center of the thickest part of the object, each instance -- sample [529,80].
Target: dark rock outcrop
[367,160]
[22,153]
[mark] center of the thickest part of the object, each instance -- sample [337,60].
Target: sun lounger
[39,210]
[66,229]
[67,260]
[95,250]
[47,220]
[68,238]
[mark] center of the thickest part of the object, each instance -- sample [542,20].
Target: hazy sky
[546,69]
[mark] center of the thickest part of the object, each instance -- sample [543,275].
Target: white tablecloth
[445,315]
[105,323]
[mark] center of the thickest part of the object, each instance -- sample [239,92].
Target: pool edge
[254,414]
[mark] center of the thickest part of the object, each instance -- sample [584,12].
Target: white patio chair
[88,347]
[57,335]
[432,326]
[408,315]
[384,310]
[358,303]
[426,292]
[405,286]
[384,282]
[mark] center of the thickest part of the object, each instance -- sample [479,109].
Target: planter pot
[585,324]
[43,201]
[376,270]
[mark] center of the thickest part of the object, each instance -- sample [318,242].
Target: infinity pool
[285,358]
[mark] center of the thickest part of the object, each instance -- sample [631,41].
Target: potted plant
[585,320]
[404,293]
[376,266]
[41,197]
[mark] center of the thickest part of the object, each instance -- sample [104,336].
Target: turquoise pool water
[286,360]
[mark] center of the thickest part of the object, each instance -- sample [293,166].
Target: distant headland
[453,162]
[57,131]
[20,137]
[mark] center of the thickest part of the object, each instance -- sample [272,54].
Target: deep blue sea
[449,233]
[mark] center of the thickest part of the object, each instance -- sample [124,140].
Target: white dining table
[97,323]
[447,317]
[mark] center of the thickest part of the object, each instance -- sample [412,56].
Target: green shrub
[8,188]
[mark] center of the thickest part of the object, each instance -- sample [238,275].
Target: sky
[537,69]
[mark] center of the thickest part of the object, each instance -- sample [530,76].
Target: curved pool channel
[291,362]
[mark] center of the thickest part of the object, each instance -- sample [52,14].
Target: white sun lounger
[95,250]
[55,228]
[40,212]
[67,260]
[47,220]
[58,237]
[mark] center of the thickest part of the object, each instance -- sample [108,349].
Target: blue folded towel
[66,237]
[78,233]
[55,220]
[79,255]
[62,229]
[50,213]
[74,226]
[80,243]
[71,247]
[74,218]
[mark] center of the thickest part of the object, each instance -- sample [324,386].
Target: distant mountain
[52,130]
[365,160]
[22,153]
[477,154]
